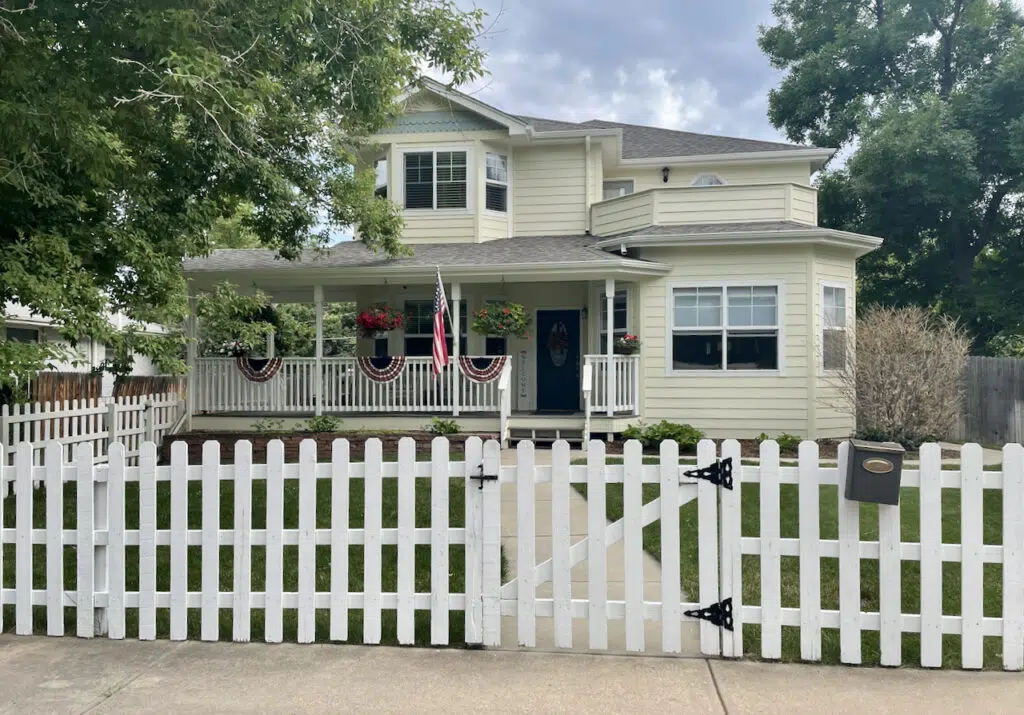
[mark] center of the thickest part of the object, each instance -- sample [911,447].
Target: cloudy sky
[680,64]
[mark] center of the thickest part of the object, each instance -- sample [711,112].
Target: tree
[131,128]
[932,93]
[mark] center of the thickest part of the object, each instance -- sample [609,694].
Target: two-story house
[705,247]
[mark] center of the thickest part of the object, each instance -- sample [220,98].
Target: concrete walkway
[68,675]
[579,586]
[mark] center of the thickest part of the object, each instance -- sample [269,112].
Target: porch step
[546,435]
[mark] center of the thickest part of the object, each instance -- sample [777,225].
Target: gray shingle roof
[642,142]
[352,254]
[698,229]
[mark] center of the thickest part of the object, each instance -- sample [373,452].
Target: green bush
[268,425]
[442,427]
[651,436]
[902,436]
[788,443]
[322,423]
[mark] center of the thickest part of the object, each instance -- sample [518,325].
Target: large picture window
[833,327]
[419,327]
[435,180]
[725,328]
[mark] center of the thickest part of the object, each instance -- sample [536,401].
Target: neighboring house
[706,247]
[21,324]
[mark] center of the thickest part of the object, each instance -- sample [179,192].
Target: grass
[828,523]
[323,520]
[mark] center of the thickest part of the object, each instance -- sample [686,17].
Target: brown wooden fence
[993,401]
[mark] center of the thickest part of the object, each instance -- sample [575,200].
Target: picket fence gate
[100,536]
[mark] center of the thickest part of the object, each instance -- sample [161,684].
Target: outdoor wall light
[664,174]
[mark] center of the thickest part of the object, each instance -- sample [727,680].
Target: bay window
[435,180]
[496,190]
[833,327]
[725,328]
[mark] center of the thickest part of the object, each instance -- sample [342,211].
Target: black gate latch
[719,614]
[719,473]
[483,477]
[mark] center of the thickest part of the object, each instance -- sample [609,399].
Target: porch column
[456,344]
[609,301]
[271,347]
[191,351]
[318,370]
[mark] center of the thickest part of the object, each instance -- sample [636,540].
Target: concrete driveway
[68,675]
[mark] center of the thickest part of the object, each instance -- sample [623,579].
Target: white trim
[819,333]
[780,308]
[861,243]
[769,156]
[433,149]
[426,84]
[507,183]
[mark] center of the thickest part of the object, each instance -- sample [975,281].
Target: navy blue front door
[558,360]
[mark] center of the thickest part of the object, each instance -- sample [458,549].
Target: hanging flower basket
[377,320]
[502,320]
[627,345]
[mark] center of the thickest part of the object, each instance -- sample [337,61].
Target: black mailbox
[873,472]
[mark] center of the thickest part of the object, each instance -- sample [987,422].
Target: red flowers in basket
[378,319]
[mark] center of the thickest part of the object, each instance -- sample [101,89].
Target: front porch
[349,387]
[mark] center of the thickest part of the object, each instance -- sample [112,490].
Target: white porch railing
[620,394]
[221,387]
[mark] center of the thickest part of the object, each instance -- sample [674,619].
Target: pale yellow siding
[803,205]
[493,226]
[783,172]
[835,416]
[549,191]
[624,213]
[724,405]
[439,229]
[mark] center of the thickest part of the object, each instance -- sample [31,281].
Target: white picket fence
[100,537]
[97,421]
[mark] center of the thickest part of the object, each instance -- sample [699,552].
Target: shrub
[442,427]
[906,384]
[268,425]
[322,423]
[788,443]
[651,436]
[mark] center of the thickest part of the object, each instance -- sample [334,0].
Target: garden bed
[324,440]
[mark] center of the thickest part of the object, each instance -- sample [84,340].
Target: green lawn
[790,569]
[356,491]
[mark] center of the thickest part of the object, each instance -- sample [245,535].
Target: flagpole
[447,313]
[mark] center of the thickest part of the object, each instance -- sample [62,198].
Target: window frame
[434,150]
[601,306]
[723,328]
[618,179]
[23,328]
[845,287]
[507,184]
[448,333]
[698,177]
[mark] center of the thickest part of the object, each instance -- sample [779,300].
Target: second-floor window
[496,192]
[435,180]
[614,188]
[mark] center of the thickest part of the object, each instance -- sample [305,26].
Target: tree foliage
[931,93]
[131,128]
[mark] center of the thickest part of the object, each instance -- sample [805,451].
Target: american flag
[440,351]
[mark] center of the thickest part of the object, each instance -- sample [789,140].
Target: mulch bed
[357,442]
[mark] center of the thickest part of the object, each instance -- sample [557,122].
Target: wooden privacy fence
[780,552]
[97,421]
[993,409]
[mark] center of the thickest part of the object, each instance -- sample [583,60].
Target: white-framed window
[834,326]
[620,315]
[436,179]
[708,180]
[725,328]
[496,190]
[22,335]
[614,188]
[419,327]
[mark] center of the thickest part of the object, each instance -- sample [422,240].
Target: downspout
[586,184]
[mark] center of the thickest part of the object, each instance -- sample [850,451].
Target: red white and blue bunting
[382,369]
[482,369]
[258,369]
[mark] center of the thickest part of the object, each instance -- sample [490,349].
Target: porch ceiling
[513,260]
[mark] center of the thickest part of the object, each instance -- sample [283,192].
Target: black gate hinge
[719,473]
[483,477]
[719,614]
